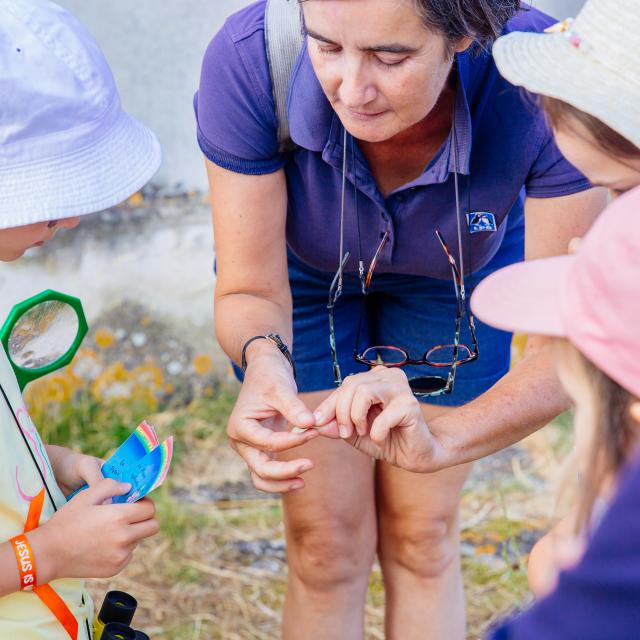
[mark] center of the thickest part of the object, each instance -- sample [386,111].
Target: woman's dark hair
[562,114]
[480,20]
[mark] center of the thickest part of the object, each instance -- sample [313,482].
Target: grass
[196,579]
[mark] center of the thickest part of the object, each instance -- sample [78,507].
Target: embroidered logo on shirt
[480,221]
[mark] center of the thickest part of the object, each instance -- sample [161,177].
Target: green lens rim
[25,376]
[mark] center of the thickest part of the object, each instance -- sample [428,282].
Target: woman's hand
[377,413]
[74,470]
[88,538]
[258,426]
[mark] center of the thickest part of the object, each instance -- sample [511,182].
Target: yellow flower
[114,382]
[86,365]
[485,549]
[202,364]
[145,395]
[135,200]
[57,389]
[148,374]
[518,345]
[104,338]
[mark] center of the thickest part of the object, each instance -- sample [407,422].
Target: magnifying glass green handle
[19,311]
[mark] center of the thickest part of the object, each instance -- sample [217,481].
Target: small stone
[174,368]
[138,339]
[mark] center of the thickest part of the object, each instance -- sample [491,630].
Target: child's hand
[558,550]
[377,413]
[74,470]
[90,539]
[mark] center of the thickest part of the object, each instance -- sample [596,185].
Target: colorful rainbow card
[141,460]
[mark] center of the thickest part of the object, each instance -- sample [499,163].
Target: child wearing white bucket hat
[67,149]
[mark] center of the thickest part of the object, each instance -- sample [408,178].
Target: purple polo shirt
[506,152]
[600,598]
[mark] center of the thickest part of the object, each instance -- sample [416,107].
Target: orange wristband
[26,562]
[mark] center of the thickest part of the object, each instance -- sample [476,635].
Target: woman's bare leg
[419,551]
[331,540]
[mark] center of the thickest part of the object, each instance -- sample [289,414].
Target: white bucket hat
[66,146]
[591,63]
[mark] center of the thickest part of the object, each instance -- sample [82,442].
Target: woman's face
[380,68]
[16,240]
[580,148]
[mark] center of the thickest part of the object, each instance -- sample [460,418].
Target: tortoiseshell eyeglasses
[441,356]
[446,355]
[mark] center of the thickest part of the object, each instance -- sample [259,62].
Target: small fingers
[326,411]
[145,529]
[89,469]
[139,511]
[367,396]
[288,404]
[400,412]
[276,486]
[103,491]
[265,469]
[251,432]
[362,391]
[344,400]
[330,430]
[382,425]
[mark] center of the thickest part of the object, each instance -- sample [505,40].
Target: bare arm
[252,294]
[103,537]
[252,298]
[530,395]
[9,576]
[522,401]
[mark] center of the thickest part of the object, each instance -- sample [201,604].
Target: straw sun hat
[66,146]
[591,63]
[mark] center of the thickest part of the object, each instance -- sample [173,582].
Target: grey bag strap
[283,39]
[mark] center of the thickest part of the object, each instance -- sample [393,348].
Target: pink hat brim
[525,297]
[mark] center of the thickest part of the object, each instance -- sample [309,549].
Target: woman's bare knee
[326,555]
[426,548]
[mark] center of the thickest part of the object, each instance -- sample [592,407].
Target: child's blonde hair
[562,114]
[608,436]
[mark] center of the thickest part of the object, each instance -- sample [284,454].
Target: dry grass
[218,568]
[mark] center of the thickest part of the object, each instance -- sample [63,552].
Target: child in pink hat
[591,302]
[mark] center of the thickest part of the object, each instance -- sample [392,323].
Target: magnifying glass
[42,334]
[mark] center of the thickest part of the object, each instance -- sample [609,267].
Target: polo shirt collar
[315,126]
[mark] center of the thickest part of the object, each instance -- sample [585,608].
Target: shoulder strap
[284,40]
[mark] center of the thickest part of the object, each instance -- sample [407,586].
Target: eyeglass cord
[454,142]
